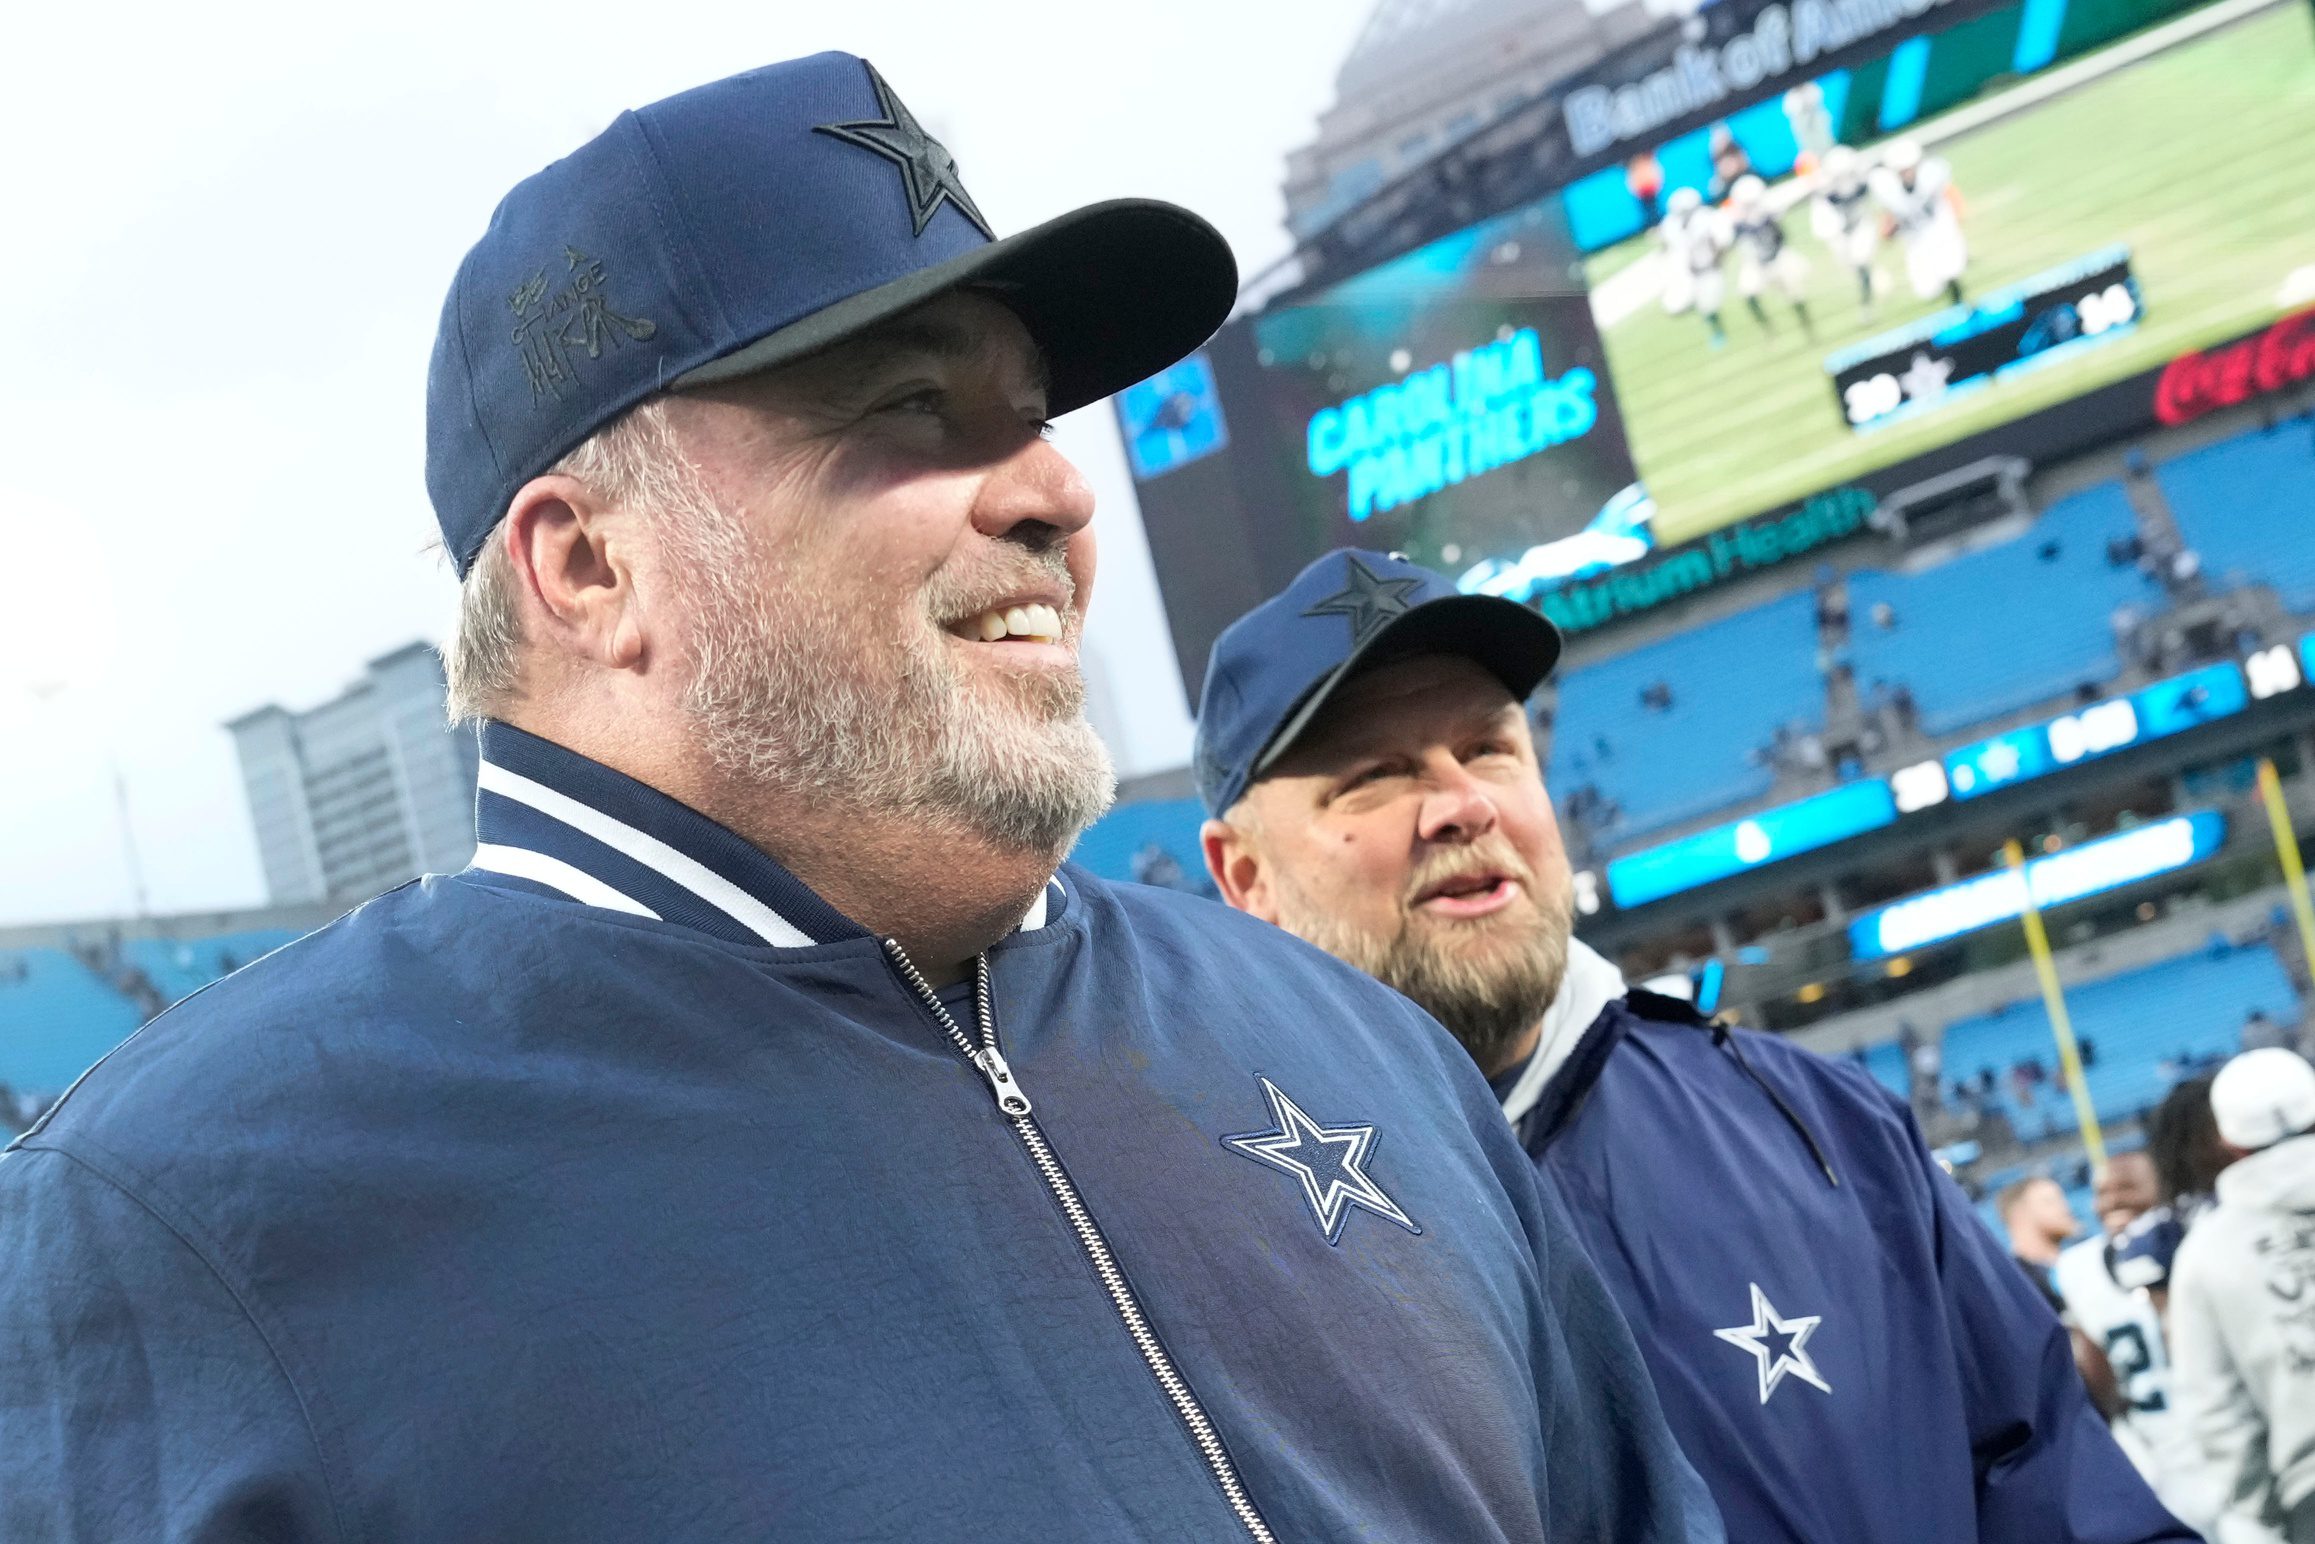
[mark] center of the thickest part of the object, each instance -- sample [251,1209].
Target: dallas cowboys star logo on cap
[1368,600]
[1777,1344]
[1329,1161]
[927,168]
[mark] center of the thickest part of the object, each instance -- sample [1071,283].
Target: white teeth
[1036,621]
[1033,621]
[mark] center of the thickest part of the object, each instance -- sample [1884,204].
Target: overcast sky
[230,230]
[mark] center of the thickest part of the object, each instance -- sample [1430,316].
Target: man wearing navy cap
[1842,1349]
[763,1140]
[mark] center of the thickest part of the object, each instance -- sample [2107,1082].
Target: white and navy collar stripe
[557,823]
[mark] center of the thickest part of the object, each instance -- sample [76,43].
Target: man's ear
[1238,870]
[571,556]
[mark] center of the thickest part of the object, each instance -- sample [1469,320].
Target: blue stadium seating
[1136,842]
[179,969]
[1997,630]
[2244,506]
[2181,1010]
[1886,1062]
[1732,683]
[57,1020]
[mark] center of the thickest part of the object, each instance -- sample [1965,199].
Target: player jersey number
[1873,397]
[2113,306]
[2133,1362]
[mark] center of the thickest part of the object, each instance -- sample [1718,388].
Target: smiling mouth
[1034,622]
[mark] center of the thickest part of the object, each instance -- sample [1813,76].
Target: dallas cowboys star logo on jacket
[1779,1345]
[1329,1161]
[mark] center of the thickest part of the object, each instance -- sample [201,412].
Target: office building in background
[363,792]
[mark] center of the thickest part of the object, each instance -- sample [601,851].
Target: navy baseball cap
[748,223]
[1274,668]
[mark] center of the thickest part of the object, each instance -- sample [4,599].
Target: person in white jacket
[2242,1297]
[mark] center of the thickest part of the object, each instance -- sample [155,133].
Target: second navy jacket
[1842,1348]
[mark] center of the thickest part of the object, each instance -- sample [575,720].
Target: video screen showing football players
[1884,260]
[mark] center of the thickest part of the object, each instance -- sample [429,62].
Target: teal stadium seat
[1130,841]
[2246,505]
[57,1020]
[2180,1010]
[180,968]
[1998,630]
[1732,682]
[1886,1062]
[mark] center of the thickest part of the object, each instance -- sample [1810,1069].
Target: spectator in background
[1968,1101]
[2242,1297]
[2183,1140]
[1832,608]
[1908,711]
[2039,1223]
[2025,1078]
[2112,1284]
[1928,1065]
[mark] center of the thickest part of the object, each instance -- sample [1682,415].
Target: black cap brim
[1112,293]
[1512,642]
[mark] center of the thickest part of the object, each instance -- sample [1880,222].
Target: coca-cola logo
[2195,384]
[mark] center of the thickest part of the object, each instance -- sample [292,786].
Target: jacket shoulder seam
[101,1165]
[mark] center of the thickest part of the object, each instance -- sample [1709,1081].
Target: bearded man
[1842,1348]
[762,1139]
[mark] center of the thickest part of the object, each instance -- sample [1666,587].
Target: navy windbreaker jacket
[618,1189]
[1843,1350]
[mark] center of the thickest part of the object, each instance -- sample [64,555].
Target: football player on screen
[1696,239]
[1924,212]
[1842,215]
[1762,255]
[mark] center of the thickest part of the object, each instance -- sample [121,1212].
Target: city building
[363,792]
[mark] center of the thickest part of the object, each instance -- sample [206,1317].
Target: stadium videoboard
[2042,233]
[1846,279]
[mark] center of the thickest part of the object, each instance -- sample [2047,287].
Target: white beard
[890,728]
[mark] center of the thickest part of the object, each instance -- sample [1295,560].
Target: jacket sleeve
[2048,1471]
[2212,1401]
[139,1403]
[1616,1472]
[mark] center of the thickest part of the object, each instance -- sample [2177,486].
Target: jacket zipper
[1013,1102]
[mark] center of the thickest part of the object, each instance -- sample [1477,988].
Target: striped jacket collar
[556,823]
